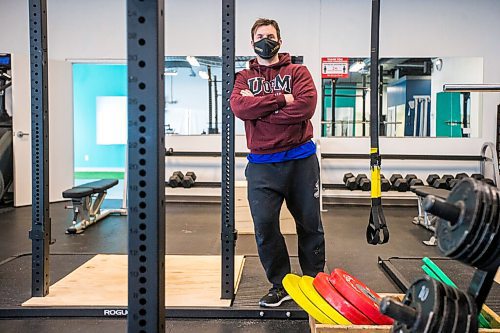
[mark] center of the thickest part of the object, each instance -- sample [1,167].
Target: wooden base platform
[191,281]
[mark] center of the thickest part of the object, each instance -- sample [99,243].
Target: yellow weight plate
[307,287]
[291,285]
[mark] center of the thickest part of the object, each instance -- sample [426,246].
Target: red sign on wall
[334,67]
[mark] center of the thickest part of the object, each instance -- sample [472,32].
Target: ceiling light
[193,61]
[170,72]
[203,75]
[357,66]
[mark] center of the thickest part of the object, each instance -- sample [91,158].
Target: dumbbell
[443,182]
[488,181]
[416,182]
[188,179]
[191,174]
[454,182]
[362,182]
[347,176]
[176,179]
[477,176]
[412,180]
[399,183]
[432,178]
[461,175]
[384,184]
[350,182]
[169,151]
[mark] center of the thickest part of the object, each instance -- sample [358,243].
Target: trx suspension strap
[377,219]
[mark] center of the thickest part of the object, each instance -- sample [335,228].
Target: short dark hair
[262,22]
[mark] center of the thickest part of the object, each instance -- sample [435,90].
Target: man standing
[276,99]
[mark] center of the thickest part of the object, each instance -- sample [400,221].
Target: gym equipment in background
[433,271]
[467,230]
[376,220]
[6,172]
[179,179]
[87,200]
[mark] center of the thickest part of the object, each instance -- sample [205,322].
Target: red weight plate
[359,295]
[332,296]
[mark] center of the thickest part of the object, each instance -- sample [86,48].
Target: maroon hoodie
[271,125]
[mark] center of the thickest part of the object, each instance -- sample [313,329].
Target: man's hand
[247,93]
[289,98]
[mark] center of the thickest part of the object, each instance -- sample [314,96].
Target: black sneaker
[274,298]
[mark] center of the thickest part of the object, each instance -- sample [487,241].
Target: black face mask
[266,48]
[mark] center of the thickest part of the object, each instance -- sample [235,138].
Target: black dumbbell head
[441,183]
[432,178]
[191,174]
[359,177]
[174,181]
[401,185]
[488,181]
[453,182]
[178,174]
[477,176]
[187,182]
[350,183]
[365,184]
[461,175]
[395,177]
[347,176]
[410,176]
[385,185]
[416,182]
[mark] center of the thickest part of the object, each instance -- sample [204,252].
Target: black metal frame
[170,313]
[394,275]
[41,232]
[480,285]
[209,81]
[228,232]
[146,166]
[407,157]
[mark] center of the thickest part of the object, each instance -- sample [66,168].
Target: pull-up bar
[480,87]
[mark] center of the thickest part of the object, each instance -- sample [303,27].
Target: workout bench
[425,219]
[87,200]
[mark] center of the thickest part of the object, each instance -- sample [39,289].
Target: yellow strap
[376,185]
[373,150]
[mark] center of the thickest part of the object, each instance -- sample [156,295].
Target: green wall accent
[448,115]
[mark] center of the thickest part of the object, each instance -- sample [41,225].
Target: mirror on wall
[411,102]
[193,101]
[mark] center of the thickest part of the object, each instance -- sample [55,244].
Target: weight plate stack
[453,236]
[468,252]
[421,310]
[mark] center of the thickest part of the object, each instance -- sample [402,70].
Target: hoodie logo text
[259,84]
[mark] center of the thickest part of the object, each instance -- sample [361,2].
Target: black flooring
[195,229]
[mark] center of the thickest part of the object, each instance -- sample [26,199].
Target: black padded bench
[424,219]
[87,200]
[90,188]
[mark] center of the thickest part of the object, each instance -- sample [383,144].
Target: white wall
[95,29]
